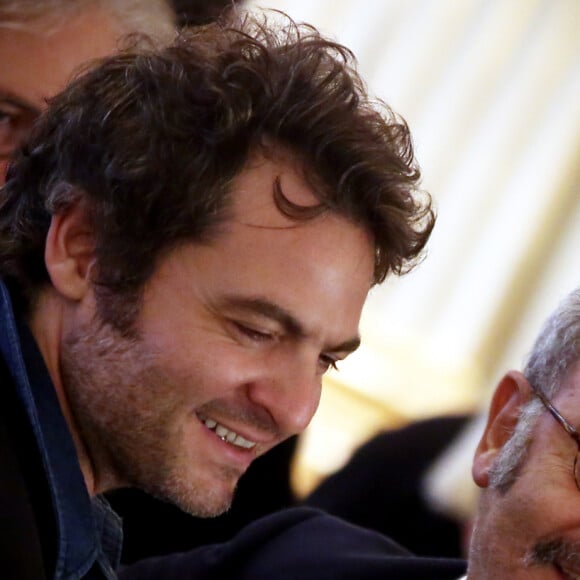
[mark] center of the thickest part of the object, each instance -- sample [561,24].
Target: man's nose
[289,391]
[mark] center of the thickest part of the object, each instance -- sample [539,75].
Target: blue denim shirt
[89,532]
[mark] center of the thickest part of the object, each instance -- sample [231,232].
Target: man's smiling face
[232,340]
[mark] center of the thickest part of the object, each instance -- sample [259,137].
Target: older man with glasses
[528,522]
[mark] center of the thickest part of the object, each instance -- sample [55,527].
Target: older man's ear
[511,394]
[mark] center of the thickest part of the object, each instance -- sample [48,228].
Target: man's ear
[511,394]
[69,252]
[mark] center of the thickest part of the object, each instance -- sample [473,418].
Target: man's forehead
[253,200]
[42,54]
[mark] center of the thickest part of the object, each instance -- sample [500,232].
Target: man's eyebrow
[288,321]
[348,346]
[16,101]
[270,310]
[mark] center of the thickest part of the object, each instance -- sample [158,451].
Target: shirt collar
[79,521]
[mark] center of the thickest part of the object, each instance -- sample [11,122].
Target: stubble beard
[124,407]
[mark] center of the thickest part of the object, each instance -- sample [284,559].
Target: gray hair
[557,348]
[154,18]
[554,355]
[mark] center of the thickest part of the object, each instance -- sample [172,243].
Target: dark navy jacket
[298,544]
[49,526]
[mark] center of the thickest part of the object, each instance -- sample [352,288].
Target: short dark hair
[151,139]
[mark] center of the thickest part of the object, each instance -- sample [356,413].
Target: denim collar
[82,524]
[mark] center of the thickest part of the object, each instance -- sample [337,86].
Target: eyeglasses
[568,428]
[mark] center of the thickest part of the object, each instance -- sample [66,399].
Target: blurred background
[491,91]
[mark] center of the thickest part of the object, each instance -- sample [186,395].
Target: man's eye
[252,333]
[6,115]
[14,128]
[327,362]
[6,133]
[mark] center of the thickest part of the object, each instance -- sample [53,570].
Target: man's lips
[226,434]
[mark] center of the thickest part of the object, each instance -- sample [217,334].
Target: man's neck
[47,324]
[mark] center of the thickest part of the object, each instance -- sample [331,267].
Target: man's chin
[191,500]
[209,509]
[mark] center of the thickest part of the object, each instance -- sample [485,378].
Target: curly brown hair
[151,139]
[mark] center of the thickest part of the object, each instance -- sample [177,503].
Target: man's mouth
[227,435]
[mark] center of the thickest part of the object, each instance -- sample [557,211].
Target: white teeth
[241,442]
[226,434]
